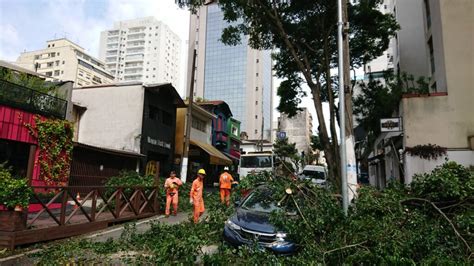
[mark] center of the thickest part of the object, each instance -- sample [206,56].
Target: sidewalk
[113,232]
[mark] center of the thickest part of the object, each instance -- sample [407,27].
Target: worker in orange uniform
[225,183]
[195,196]
[172,184]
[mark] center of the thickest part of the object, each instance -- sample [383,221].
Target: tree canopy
[303,38]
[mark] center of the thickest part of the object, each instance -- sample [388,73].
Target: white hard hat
[226,168]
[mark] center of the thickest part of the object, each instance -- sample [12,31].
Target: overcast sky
[26,25]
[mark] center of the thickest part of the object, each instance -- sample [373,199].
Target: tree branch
[445,217]
[342,248]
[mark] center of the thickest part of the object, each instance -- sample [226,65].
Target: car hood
[254,221]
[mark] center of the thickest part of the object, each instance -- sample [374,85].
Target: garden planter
[11,221]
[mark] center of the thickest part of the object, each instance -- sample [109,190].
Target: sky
[26,25]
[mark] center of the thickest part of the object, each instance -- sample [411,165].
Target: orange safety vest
[170,181]
[226,180]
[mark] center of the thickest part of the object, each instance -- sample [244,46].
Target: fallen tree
[429,222]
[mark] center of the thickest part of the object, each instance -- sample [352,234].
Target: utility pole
[263,121]
[351,161]
[189,120]
[342,120]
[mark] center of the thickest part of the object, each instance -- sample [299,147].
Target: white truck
[317,174]
[255,162]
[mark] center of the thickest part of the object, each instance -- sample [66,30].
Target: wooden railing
[61,205]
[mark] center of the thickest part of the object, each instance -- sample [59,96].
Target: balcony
[30,100]
[113,33]
[135,51]
[136,36]
[133,58]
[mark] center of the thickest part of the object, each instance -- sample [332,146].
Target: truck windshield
[256,161]
[314,174]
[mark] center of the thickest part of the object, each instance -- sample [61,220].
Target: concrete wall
[416,165]
[117,124]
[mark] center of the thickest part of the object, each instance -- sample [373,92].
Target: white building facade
[67,61]
[298,129]
[436,41]
[142,49]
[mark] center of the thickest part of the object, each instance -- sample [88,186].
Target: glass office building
[238,75]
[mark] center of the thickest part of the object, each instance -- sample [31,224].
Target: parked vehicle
[255,162]
[317,174]
[251,224]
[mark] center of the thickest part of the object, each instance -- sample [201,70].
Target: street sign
[391,124]
[281,134]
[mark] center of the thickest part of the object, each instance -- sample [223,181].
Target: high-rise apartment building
[65,60]
[238,75]
[142,49]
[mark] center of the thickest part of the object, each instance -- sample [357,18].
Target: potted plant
[14,197]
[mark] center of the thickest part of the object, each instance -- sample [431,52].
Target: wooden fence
[56,212]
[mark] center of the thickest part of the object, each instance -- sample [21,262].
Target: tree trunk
[329,152]
[350,151]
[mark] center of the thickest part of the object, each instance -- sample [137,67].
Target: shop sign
[391,124]
[160,143]
[151,168]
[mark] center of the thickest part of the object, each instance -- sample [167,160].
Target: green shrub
[13,192]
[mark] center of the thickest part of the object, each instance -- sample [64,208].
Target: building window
[256,116]
[56,72]
[153,112]
[64,62]
[428,14]
[234,131]
[432,60]
[256,74]
[256,88]
[256,131]
[49,74]
[49,64]
[62,71]
[58,53]
[167,119]
[37,56]
[256,102]
[57,63]
[199,124]
[257,61]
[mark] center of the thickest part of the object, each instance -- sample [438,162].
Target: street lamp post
[342,121]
